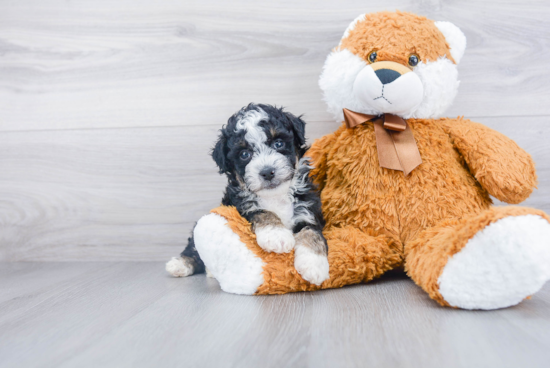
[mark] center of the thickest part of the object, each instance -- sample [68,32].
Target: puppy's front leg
[270,232]
[310,256]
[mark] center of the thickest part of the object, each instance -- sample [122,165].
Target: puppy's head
[260,147]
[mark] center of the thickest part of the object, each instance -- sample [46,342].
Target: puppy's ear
[299,130]
[219,153]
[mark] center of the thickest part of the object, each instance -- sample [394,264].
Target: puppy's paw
[275,239]
[180,266]
[312,266]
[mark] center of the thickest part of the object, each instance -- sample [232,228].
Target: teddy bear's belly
[361,194]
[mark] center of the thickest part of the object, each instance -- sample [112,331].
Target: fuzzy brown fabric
[395,36]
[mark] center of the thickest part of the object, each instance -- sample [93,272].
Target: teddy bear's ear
[454,37]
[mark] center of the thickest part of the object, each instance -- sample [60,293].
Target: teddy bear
[401,186]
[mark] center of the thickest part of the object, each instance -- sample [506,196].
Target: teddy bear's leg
[230,252]
[490,260]
[356,256]
[227,258]
[353,257]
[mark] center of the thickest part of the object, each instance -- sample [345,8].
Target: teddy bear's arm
[505,170]
[318,153]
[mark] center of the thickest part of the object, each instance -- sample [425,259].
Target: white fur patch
[249,122]
[500,266]
[278,201]
[336,81]
[275,239]
[235,267]
[311,266]
[351,26]
[439,82]
[454,37]
[179,267]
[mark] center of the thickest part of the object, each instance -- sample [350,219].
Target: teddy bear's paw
[180,266]
[312,266]
[229,260]
[275,239]
[500,266]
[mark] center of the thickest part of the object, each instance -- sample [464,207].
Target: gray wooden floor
[134,315]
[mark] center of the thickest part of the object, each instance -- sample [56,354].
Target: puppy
[261,150]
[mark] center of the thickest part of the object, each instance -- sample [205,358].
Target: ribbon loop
[394,122]
[395,143]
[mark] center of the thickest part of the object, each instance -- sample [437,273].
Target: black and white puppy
[261,150]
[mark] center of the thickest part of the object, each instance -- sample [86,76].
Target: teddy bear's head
[394,62]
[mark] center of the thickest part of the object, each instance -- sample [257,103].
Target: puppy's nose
[267,173]
[387,75]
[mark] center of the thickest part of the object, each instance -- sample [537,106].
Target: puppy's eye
[414,60]
[372,56]
[244,155]
[278,144]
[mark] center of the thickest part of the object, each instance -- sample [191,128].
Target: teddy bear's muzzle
[389,87]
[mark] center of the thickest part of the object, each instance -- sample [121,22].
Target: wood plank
[134,194]
[139,190]
[133,315]
[174,63]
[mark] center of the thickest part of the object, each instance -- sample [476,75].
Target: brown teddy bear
[401,187]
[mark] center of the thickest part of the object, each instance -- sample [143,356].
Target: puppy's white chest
[281,205]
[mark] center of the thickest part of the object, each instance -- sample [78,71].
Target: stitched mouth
[382,96]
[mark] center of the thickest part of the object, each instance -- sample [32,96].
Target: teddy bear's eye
[372,56]
[414,60]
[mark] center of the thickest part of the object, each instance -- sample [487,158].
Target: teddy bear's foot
[501,265]
[235,267]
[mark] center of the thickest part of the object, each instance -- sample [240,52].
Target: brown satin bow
[397,149]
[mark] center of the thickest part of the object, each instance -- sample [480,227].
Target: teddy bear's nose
[387,75]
